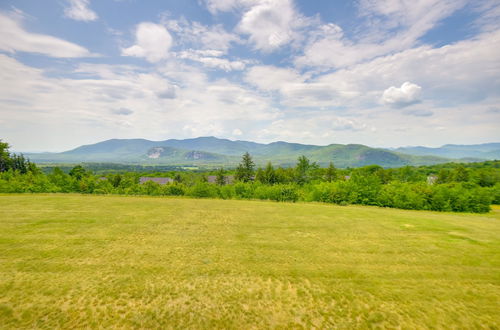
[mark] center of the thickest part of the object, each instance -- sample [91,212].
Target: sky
[383,73]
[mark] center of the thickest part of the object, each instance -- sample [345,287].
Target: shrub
[243,190]
[203,190]
[226,191]
[175,189]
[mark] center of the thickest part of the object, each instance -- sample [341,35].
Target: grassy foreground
[76,261]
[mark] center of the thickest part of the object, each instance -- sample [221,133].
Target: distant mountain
[212,151]
[486,151]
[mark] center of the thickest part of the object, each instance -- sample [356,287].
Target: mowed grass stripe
[71,261]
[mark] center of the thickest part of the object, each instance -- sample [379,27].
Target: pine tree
[302,169]
[245,170]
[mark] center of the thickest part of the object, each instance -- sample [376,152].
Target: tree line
[452,187]
[9,161]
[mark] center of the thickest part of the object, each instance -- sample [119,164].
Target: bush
[226,192]
[279,192]
[244,190]
[175,189]
[203,190]
[410,196]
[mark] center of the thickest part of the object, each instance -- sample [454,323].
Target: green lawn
[72,261]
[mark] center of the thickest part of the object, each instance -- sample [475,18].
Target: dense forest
[456,187]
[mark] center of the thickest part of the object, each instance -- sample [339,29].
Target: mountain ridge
[213,151]
[487,151]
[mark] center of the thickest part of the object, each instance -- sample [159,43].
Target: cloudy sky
[377,72]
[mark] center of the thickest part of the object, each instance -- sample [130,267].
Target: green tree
[78,172]
[116,180]
[220,179]
[460,174]
[19,163]
[14,162]
[269,174]
[304,170]
[245,170]
[4,156]
[178,178]
[331,173]
[259,175]
[444,176]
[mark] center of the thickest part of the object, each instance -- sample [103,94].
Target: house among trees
[144,179]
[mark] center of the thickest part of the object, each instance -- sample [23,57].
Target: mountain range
[212,151]
[482,151]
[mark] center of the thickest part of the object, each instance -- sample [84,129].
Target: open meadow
[75,261]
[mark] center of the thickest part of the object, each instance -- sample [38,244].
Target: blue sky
[377,72]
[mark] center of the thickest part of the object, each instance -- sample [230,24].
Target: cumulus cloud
[403,96]
[79,10]
[153,42]
[13,38]
[270,24]
[466,71]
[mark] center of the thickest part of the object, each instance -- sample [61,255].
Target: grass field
[71,261]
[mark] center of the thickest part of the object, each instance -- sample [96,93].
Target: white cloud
[309,95]
[489,15]
[153,42]
[267,77]
[79,10]
[463,72]
[207,45]
[212,60]
[346,124]
[199,36]
[237,132]
[319,129]
[13,38]
[269,24]
[95,106]
[403,96]
[215,6]
[390,26]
